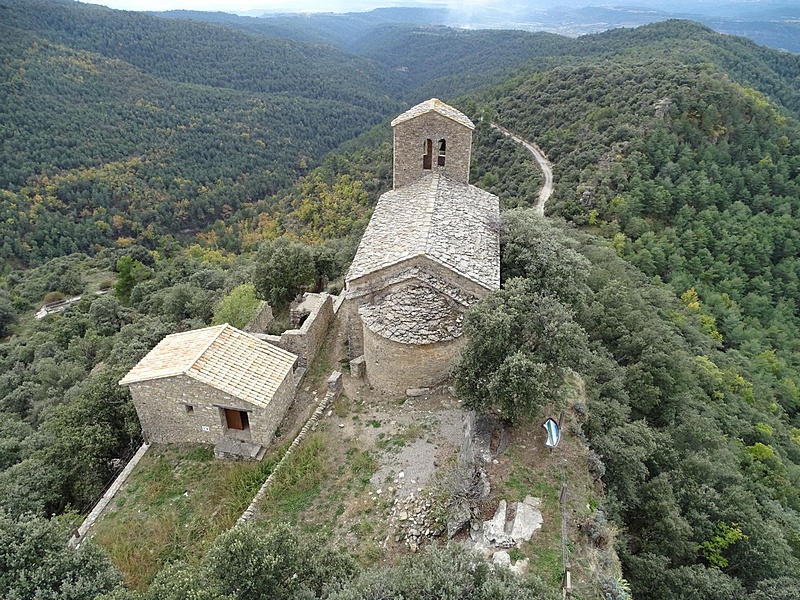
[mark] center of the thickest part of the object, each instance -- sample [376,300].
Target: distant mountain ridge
[773,24]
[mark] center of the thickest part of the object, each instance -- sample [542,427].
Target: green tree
[104,315]
[250,563]
[237,308]
[35,562]
[520,345]
[8,316]
[283,270]
[129,273]
[446,573]
[180,581]
[534,249]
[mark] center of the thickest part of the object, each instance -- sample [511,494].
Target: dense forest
[694,180]
[101,146]
[670,263]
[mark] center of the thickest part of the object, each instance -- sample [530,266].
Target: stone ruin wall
[409,137]
[261,321]
[306,341]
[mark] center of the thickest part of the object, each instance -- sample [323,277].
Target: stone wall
[334,391]
[306,341]
[409,140]
[393,367]
[262,320]
[180,409]
[108,496]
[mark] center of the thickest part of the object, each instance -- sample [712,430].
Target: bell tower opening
[442,150]
[427,157]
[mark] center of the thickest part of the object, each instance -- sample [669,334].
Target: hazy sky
[286,5]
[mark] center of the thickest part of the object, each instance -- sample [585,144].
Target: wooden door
[234,419]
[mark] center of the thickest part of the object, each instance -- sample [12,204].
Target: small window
[442,151]
[427,158]
[189,409]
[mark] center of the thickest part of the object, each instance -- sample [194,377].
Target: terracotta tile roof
[449,222]
[435,105]
[223,357]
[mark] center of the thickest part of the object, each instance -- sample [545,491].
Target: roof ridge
[433,193]
[222,328]
[438,106]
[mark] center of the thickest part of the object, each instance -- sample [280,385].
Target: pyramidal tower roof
[435,105]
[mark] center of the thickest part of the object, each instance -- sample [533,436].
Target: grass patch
[412,432]
[176,502]
[299,481]
[341,406]
[362,464]
[546,560]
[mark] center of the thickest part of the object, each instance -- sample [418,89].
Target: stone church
[430,251]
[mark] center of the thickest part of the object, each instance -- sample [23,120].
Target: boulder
[458,518]
[528,518]
[417,392]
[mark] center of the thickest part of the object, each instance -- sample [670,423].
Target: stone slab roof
[223,357]
[415,314]
[451,223]
[435,105]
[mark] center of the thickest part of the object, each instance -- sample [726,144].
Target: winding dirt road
[544,165]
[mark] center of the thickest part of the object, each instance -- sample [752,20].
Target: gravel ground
[410,436]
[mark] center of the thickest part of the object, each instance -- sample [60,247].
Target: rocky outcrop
[501,532]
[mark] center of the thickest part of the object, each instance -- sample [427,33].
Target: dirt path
[544,165]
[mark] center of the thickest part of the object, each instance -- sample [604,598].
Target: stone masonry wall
[306,341]
[422,268]
[162,408]
[261,321]
[409,140]
[394,367]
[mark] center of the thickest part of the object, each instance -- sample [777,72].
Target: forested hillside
[193,52]
[436,58]
[100,149]
[694,179]
[675,271]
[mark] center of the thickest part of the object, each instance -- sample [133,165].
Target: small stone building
[212,385]
[430,251]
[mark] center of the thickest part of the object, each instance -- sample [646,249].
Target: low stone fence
[305,341]
[334,391]
[98,509]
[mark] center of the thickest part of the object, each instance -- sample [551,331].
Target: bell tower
[431,137]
